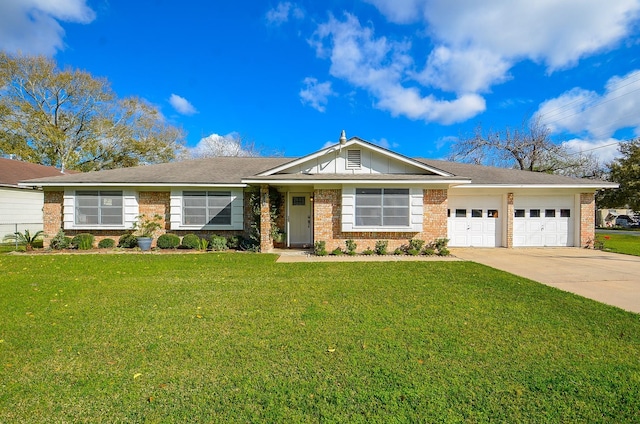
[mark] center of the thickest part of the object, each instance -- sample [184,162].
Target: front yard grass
[239,338]
[621,243]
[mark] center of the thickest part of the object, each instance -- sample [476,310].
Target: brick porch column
[266,244]
[52,214]
[587,219]
[510,220]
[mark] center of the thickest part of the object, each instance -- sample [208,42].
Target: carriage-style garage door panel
[543,221]
[475,221]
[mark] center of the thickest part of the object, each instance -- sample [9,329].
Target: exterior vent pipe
[343,137]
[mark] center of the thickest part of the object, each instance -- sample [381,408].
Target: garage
[475,221]
[543,221]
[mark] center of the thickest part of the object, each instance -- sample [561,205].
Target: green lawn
[621,243]
[239,338]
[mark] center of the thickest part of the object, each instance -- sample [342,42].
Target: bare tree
[528,147]
[229,145]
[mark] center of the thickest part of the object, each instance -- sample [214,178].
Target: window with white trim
[382,207]
[206,208]
[98,207]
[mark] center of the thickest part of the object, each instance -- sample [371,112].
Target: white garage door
[543,221]
[475,221]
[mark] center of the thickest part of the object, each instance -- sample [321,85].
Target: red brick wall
[510,212]
[587,219]
[327,224]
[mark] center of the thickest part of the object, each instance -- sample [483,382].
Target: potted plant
[145,228]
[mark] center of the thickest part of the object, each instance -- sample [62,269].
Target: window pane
[519,213]
[98,207]
[549,213]
[476,213]
[534,213]
[565,213]
[382,207]
[461,213]
[492,213]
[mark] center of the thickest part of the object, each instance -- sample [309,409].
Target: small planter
[144,243]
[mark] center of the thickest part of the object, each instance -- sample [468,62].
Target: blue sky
[410,75]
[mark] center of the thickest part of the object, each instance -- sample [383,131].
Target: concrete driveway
[609,278]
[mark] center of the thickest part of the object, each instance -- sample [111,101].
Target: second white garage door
[475,221]
[543,221]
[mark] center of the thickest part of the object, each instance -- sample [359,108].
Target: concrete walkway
[609,278]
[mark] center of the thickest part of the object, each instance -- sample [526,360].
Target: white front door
[475,221]
[300,225]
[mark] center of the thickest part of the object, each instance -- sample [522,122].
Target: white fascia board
[557,186]
[362,143]
[96,184]
[354,181]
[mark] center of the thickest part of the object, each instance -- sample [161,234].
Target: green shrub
[128,241]
[234,242]
[443,251]
[351,246]
[398,251]
[168,241]
[429,251]
[190,241]
[218,243]
[416,244]
[60,241]
[320,248]
[83,241]
[26,238]
[440,243]
[337,252]
[413,252]
[107,243]
[381,247]
[367,252]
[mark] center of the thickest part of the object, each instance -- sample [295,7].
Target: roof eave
[352,181]
[129,184]
[572,186]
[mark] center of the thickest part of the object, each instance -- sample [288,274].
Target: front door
[300,229]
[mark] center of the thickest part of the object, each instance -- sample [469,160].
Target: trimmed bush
[60,241]
[83,241]
[337,252]
[320,248]
[107,243]
[416,244]
[234,242]
[128,241]
[368,252]
[399,251]
[190,241]
[218,243]
[168,241]
[381,247]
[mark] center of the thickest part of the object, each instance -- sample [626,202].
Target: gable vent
[354,160]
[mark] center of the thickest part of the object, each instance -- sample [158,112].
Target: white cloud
[33,26]
[182,105]
[600,116]
[384,143]
[556,33]
[383,68]
[605,150]
[316,94]
[220,145]
[282,12]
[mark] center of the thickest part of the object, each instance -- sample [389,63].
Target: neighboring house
[350,190]
[21,206]
[613,217]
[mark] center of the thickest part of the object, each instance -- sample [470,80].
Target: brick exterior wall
[587,219]
[327,225]
[266,243]
[510,212]
[52,214]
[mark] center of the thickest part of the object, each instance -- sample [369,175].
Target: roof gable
[354,157]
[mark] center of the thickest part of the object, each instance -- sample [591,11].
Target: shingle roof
[219,170]
[233,170]
[12,171]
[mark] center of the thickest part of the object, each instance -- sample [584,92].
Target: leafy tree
[527,148]
[72,120]
[625,171]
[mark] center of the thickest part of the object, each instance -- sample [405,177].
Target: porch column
[587,219]
[510,220]
[266,244]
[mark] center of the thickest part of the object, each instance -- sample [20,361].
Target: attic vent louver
[354,160]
